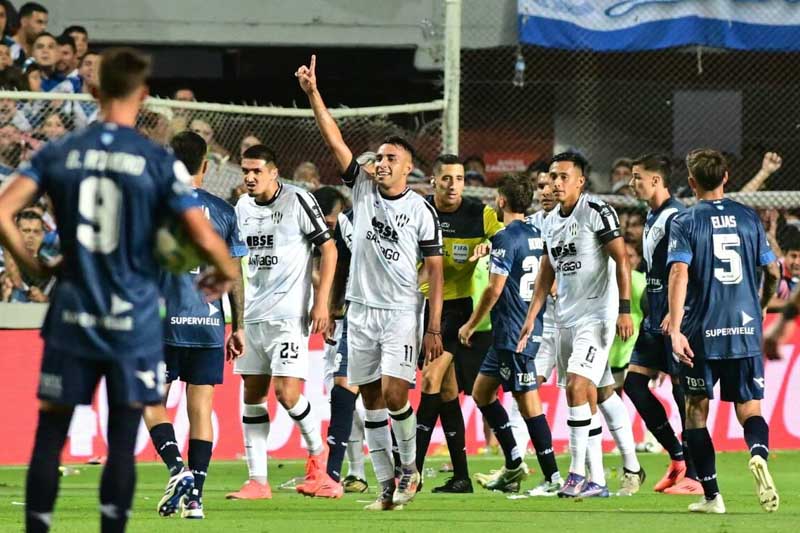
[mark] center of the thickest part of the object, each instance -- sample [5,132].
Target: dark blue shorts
[740,380]
[340,363]
[654,350]
[516,372]
[71,380]
[195,366]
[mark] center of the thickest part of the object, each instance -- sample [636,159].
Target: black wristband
[624,307]
[790,312]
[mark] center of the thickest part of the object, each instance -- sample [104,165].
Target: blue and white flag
[633,25]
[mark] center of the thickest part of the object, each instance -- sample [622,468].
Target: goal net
[28,119]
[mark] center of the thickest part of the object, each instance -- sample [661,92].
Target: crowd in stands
[35,58]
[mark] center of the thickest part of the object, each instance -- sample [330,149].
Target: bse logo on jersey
[261,241]
[382,231]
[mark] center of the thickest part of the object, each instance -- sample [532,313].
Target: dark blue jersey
[110,189]
[190,320]
[654,248]
[724,243]
[516,252]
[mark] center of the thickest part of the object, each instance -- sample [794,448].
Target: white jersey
[585,275]
[279,235]
[549,318]
[391,235]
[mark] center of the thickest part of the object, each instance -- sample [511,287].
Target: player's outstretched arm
[20,192]
[486,303]
[544,281]
[322,294]
[432,340]
[678,281]
[616,249]
[217,281]
[307,77]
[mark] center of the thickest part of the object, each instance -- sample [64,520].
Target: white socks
[404,425]
[255,427]
[379,442]
[595,451]
[579,420]
[619,424]
[308,425]
[355,447]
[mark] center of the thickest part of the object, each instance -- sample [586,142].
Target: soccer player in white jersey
[280,223]
[394,229]
[580,237]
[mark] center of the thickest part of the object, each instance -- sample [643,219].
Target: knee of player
[431,384]
[747,410]
[287,396]
[696,411]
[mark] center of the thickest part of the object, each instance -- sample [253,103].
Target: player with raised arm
[515,257]
[465,223]
[652,354]
[394,229]
[715,250]
[280,223]
[194,339]
[581,238]
[110,188]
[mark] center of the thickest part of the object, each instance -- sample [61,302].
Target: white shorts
[583,350]
[275,348]
[382,342]
[331,363]
[545,360]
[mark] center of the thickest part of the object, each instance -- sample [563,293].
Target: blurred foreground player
[194,346]
[110,188]
[715,251]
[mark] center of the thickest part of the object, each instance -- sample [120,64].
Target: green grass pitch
[483,511]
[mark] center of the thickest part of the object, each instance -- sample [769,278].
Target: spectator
[250,140]
[224,178]
[770,164]
[67,62]
[31,226]
[5,24]
[154,123]
[475,162]
[184,95]
[307,174]
[634,227]
[12,79]
[55,125]
[790,269]
[204,130]
[88,71]
[535,169]
[33,74]
[621,175]
[5,56]
[46,54]
[32,22]
[81,38]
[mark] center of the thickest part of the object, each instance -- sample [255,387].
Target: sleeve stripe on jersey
[318,228]
[436,240]
[349,176]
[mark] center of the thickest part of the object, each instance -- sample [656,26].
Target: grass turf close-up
[645,512]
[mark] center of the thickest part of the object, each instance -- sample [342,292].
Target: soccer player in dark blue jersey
[516,252]
[651,354]
[715,251]
[194,346]
[110,188]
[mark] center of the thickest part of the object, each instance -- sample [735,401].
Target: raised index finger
[313,65]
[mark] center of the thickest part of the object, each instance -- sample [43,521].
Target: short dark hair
[403,143]
[13,79]
[575,158]
[28,214]
[474,158]
[708,167]
[88,53]
[517,190]
[66,40]
[537,167]
[790,239]
[328,197]
[75,28]
[45,34]
[29,8]
[190,149]
[259,151]
[622,162]
[445,159]
[661,164]
[122,71]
